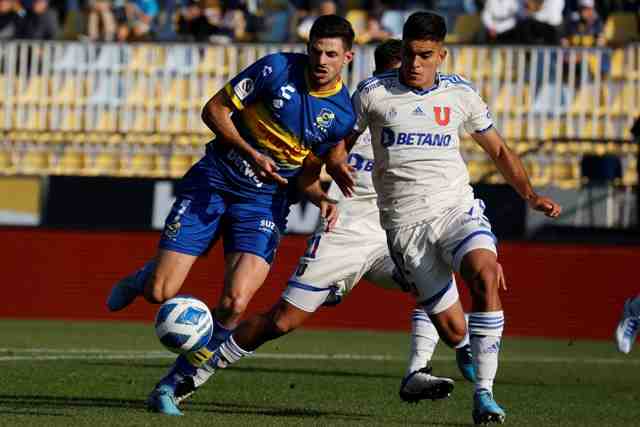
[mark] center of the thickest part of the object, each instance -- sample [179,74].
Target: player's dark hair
[387,54]
[332,26]
[424,26]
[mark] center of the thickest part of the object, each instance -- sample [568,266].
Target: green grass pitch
[99,374]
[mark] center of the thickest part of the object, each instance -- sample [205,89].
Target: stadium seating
[621,28]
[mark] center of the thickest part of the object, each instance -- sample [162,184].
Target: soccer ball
[184,324]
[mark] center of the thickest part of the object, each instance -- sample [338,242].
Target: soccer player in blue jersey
[283,111]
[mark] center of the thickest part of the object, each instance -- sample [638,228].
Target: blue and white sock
[424,338]
[220,335]
[485,330]
[229,353]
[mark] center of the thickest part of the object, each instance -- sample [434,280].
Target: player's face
[327,56]
[420,62]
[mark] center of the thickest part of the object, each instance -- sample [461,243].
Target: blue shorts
[206,209]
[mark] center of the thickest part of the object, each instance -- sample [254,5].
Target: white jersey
[359,212]
[418,170]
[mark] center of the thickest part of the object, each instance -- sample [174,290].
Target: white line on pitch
[35,354]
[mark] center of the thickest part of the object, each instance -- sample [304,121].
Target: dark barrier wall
[554,290]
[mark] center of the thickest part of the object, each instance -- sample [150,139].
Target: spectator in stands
[276,16]
[40,22]
[542,22]
[585,28]
[101,22]
[208,22]
[325,7]
[10,20]
[140,15]
[499,18]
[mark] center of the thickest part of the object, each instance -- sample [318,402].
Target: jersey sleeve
[251,82]
[478,118]
[362,119]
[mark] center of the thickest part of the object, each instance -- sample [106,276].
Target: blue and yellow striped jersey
[280,116]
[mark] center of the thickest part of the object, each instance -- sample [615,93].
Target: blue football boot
[464,359]
[163,401]
[486,410]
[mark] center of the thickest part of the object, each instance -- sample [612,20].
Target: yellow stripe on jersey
[233,97]
[284,147]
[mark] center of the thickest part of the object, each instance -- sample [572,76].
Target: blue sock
[220,335]
[144,273]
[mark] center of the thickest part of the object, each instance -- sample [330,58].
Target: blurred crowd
[550,22]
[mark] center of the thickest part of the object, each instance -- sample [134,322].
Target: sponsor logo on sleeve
[243,88]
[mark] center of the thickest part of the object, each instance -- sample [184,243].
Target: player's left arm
[309,185]
[511,168]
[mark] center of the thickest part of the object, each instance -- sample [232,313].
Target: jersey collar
[322,93]
[421,91]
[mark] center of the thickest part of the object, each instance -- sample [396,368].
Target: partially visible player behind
[434,225]
[270,121]
[629,325]
[335,262]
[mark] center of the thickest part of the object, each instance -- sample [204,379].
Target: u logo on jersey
[442,121]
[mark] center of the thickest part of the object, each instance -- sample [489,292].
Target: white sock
[230,353]
[424,338]
[485,330]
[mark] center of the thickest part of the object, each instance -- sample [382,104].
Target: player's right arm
[309,185]
[243,90]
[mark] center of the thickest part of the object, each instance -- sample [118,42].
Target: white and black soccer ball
[184,324]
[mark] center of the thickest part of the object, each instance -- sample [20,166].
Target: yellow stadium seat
[147,58]
[214,60]
[627,101]
[35,160]
[71,162]
[465,28]
[514,99]
[176,93]
[36,91]
[179,163]
[142,91]
[589,100]
[621,28]
[358,19]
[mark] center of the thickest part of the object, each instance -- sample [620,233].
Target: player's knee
[234,305]
[485,282]
[453,335]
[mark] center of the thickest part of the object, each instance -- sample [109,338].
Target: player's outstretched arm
[338,168]
[511,168]
[309,185]
[216,114]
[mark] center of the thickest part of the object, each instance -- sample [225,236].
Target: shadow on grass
[29,405]
[254,370]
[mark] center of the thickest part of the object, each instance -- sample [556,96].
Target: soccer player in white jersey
[332,265]
[427,207]
[629,325]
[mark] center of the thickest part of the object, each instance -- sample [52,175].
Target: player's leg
[469,247]
[251,235]
[418,382]
[186,235]
[629,325]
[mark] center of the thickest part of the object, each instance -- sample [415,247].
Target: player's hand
[343,175]
[337,167]
[502,283]
[545,205]
[329,213]
[267,169]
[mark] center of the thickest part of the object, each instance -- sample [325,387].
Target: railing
[145,99]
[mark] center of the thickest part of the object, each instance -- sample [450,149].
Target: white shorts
[338,261]
[428,252]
